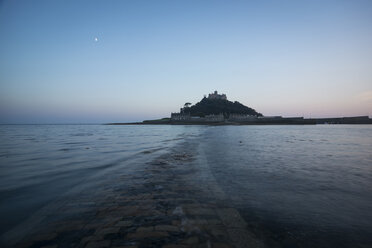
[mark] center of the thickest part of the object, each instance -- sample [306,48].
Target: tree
[187,105]
[216,106]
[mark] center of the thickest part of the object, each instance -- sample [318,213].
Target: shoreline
[212,123]
[357,120]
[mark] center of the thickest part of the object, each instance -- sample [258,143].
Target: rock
[167,228]
[142,235]
[145,229]
[191,241]
[124,223]
[98,244]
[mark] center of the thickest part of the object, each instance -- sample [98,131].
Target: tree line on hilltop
[216,106]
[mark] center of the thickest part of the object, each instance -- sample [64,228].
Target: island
[216,109]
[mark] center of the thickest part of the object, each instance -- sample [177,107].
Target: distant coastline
[261,121]
[216,109]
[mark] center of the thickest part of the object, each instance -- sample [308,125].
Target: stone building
[180,117]
[215,95]
[214,118]
[241,117]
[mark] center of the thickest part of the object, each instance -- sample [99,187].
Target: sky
[118,61]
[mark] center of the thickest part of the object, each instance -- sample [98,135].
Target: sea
[295,186]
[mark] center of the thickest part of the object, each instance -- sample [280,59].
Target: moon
[96,39]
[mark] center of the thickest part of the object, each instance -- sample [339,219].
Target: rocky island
[216,109]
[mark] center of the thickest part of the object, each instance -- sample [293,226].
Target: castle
[183,116]
[215,95]
[217,110]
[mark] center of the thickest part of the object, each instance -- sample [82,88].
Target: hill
[208,106]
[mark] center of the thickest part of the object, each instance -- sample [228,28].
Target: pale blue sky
[290,58]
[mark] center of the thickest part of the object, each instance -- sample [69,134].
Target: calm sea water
[39,163]
[300,186]
[309,186]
